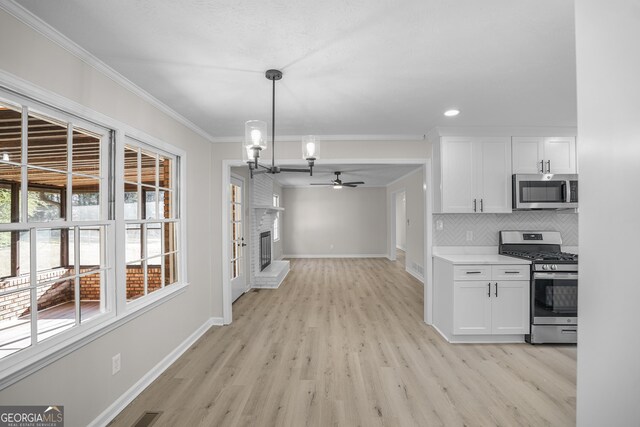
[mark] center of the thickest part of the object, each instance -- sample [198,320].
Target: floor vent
[147,419]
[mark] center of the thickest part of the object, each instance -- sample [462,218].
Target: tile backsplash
[485,227]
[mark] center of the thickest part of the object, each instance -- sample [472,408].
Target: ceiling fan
[337,183]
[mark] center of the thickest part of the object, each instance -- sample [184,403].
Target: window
[276,220]
[89,228]
[53,266]
[151,221]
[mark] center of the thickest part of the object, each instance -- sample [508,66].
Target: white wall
[278,247]
[401,221]
[608,66]
[413,186]
[328,222]
[82,381]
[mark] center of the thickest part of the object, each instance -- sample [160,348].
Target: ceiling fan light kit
[338,184]
[255,140]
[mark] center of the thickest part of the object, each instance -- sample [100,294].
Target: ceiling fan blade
[354,182]
[349,185]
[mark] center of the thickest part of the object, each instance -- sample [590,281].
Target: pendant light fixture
[255,140]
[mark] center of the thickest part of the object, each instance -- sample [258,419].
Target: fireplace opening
[265,249]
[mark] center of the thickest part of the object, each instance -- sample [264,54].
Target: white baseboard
[127,397]
[337,256]
[216,321]
[415,274]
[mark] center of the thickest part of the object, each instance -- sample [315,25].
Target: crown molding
[298,138]
[28,18]
[497,131]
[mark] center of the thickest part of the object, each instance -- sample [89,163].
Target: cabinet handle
[474,205]
[548,166]
[541,166]
[511,272]
[496,289]
[481,205]
[474,272]
[489,291]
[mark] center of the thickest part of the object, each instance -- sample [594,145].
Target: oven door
[554,298]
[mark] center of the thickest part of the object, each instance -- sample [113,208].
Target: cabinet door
[471,308]
[510,307]
[560,155]
[493,177]
[527,154]
[457,175]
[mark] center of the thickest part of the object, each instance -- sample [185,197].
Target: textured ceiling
[351,67]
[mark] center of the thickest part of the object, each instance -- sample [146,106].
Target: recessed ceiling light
[451,113]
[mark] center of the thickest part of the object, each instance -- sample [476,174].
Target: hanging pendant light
[255,140]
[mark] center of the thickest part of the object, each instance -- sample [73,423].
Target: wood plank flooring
[342,343]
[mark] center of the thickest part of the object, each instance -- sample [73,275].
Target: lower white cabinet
[481,303]
[491,307]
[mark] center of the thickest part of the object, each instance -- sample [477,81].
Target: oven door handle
[570,276]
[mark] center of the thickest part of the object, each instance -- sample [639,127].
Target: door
[471,307]
[457,175]
[494,175]
[238,276]
[554,298]
[528,155]
[560,155]
[510,307]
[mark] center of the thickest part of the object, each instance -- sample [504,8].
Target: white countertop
[480,259]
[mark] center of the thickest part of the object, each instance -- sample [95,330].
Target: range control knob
[545,267]
[554,267]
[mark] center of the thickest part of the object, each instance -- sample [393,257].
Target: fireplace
[265,249]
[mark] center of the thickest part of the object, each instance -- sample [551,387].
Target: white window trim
[19,365]
[276,220]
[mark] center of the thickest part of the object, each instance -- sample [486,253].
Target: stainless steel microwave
[545,191]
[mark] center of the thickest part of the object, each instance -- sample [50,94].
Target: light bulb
[311,149]
[337,187]
[5,157]
[452,113]
[256,136]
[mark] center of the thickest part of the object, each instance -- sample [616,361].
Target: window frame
[176,178]
[16,92]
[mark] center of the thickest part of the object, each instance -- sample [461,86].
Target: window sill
[20,365]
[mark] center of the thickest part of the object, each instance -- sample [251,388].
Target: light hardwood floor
[342,342]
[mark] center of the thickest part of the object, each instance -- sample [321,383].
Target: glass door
[238,279]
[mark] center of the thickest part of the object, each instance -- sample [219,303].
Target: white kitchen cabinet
[471,308]
[535,155]
[510,307]
[475,175]
[481,302]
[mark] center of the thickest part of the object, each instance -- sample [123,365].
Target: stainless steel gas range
[554,284]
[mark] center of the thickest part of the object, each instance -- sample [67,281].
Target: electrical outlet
[469,236]
[115,364]
[439,225]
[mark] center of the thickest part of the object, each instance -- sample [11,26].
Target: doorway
[237,242]
[401,226]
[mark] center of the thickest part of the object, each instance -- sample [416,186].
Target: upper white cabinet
[533,155]
[475,175]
